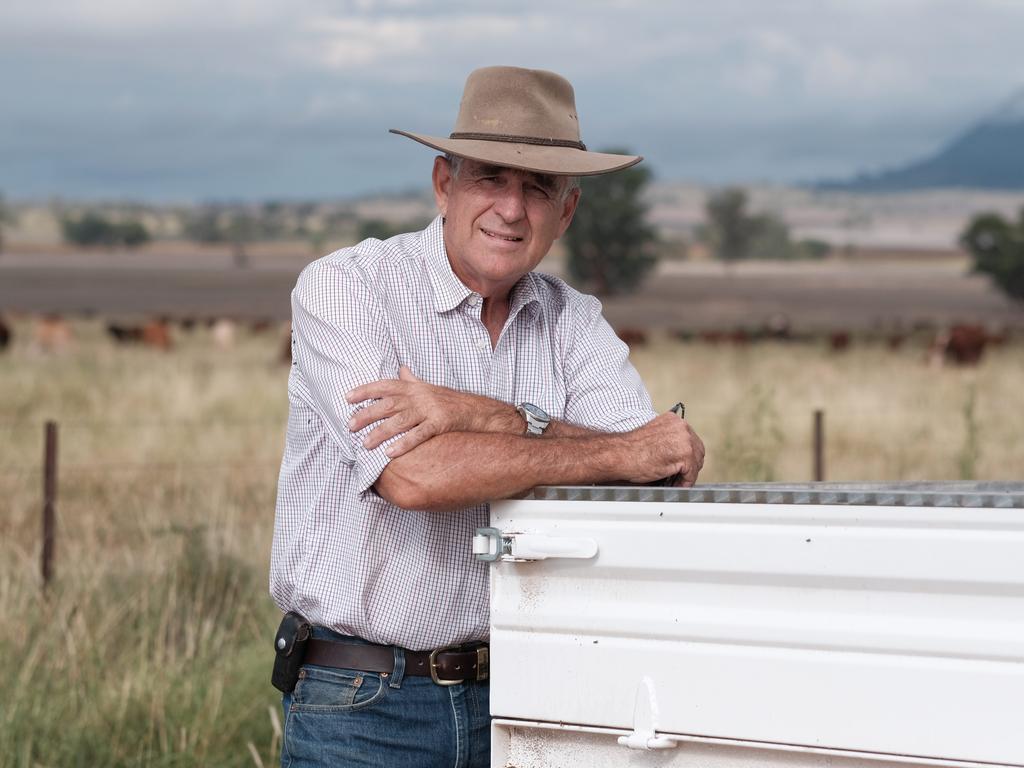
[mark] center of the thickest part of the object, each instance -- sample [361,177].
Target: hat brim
[558,161]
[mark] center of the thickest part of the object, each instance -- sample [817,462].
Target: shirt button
[483,343]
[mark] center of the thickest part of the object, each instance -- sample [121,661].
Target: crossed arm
[460,449]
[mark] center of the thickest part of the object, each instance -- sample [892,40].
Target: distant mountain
[989,155]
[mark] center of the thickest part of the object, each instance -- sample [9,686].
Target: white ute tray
[855,619]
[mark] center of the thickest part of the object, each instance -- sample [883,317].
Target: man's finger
[409,440]
[384,431]
[405,373]
[382,409]
[374,390]
[688,476]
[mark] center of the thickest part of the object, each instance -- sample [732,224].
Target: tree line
[611,245]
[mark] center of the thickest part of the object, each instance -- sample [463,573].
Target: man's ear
[572,200]
[442,180]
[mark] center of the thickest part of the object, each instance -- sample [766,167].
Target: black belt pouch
[290,647]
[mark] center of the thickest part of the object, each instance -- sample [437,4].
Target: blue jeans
[344,717]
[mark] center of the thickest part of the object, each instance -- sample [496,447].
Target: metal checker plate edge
[999,495]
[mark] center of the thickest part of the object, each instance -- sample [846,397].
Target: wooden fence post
[49,501]
[819,445]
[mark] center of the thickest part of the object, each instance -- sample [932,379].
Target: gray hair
[566,183]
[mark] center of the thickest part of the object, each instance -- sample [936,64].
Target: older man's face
[499,222]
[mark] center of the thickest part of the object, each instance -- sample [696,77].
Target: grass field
[152,647]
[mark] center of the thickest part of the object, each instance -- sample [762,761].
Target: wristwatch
[536,420]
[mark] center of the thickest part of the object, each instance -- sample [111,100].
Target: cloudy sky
[254,99]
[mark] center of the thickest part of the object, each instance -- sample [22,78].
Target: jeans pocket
[323,689]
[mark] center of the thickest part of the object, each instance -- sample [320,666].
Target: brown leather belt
[445,666]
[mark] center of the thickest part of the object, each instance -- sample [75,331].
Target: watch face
[536,412]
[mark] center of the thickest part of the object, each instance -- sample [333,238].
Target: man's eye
[538,191]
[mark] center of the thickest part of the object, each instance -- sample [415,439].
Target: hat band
[520,140]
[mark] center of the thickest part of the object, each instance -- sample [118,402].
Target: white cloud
[348,44]
[117,18]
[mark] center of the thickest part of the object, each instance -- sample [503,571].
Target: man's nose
[511,202]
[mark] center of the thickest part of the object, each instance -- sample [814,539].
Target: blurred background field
[152,645]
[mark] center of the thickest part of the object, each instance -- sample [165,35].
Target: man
[433,372]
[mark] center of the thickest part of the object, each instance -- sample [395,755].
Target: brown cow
[962,344]
[5,335]
[52,333]
[124,334]
[157,334]
[634,337]
[839,341]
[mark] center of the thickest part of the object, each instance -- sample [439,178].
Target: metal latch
[645,721]
[491,544]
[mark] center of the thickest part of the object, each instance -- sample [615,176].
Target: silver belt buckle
[433,667]
[483,665]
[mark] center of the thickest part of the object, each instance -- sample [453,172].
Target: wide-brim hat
[522,118]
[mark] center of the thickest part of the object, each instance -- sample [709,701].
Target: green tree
[735,234]
[997,246]
[204,225]
[93,229]
[729,229]
[132,234]
[610,242]
[770,238]
[88,230]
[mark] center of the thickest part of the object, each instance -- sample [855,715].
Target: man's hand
[662,448]
[422,410]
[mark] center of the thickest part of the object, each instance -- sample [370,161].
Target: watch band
[536,419]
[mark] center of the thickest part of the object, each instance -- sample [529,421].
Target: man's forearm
[505,419]
[415,411]
[461,469]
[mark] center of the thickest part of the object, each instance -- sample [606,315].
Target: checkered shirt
[344,557]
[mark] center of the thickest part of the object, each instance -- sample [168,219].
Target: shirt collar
[450,292]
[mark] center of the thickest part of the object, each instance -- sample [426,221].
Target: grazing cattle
[224,333]
[961,345]
[5,335]
[52,334]
[157,334]
[740,337]
[260,326]
[634,337]
[779,327]
[124,334]
[895,340]
[839,341]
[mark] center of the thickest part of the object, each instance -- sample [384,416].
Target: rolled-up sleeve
[603,389]
[341,340]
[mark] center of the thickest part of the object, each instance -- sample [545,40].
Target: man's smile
[501,236]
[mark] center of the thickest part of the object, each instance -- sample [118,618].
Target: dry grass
[152,647]
[888,415]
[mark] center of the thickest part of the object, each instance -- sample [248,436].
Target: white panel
[525,744]
[881,629]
